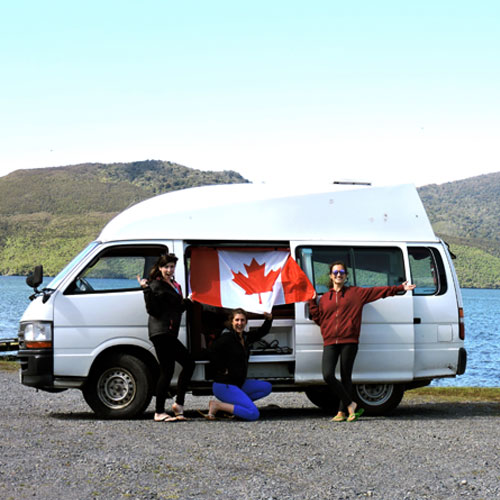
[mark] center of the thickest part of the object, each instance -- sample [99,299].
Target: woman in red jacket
[339,316]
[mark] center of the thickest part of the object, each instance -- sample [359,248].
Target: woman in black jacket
[229,354]
[165,305]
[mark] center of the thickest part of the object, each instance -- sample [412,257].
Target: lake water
[482,329]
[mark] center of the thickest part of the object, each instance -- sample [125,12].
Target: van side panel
[386,348]
[308,348]
[86,324]
[386,344]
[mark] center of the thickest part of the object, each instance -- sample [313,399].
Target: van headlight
[35,335]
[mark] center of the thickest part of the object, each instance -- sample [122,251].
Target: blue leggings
[242,398]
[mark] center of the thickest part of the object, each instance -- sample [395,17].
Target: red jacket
[339,313]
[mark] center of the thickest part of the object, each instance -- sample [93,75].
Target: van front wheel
[378,399]
[119,387]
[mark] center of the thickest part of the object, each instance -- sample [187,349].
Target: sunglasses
[341,272]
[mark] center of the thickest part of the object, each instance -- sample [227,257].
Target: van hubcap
[375,394]
[116,388]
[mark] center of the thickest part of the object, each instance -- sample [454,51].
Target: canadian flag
[255,280]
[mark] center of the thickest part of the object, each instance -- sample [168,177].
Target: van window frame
[61,275]
[440,275]
[115,251]
[350,261]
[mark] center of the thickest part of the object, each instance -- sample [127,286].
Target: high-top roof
[251,212]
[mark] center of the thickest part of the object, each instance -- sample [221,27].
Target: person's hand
[142,281]
[268,316]
[314,296]
[408,287]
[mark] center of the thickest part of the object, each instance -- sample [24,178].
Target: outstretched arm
[381,292]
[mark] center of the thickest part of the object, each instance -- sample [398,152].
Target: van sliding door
[386,350]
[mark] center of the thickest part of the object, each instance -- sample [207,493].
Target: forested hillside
[466,214]
[48,215]
[468,210]
[96,187]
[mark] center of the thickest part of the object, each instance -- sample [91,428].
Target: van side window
[378,267]
[427,271]
[366,266]
[116,269]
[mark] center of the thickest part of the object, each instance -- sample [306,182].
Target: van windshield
[61,275]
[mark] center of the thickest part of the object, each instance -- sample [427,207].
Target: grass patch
[9,366]
[454,394]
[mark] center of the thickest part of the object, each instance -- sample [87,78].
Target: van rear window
[427,271]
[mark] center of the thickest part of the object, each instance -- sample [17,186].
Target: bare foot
[213,408]
[352,408]
[161,417]
[178,412]
[178,409]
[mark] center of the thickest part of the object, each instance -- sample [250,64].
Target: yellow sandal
[338,418]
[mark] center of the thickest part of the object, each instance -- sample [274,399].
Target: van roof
[255,212]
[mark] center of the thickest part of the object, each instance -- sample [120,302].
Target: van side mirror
[35,278]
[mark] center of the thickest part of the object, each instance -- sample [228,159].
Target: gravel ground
[53,447]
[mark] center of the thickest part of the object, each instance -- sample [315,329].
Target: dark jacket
[230,358]
[339,313]
[165,307]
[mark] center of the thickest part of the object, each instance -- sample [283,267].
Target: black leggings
[347,354]
[169,349]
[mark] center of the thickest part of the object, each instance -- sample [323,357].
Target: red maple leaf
[256,282]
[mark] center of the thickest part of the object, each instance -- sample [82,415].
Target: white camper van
[88,329]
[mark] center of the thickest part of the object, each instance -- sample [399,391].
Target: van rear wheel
[120,386]
[320,395]
[378,399]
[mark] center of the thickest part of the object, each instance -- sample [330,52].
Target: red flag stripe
[296,285]
[204,276]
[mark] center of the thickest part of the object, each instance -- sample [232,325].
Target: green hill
[466,214]
[47,215]
[96,187]
[466,210]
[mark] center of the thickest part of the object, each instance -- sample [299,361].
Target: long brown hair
[162,261]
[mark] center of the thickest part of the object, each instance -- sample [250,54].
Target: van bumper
[462,361]
[36,368]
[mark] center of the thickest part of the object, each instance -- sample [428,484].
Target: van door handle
[417,321]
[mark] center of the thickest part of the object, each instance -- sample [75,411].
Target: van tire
[378,399]
[120,386]
[320,395]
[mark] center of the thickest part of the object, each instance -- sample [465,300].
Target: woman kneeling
[230,352]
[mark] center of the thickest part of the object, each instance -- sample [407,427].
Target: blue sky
[381,91]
